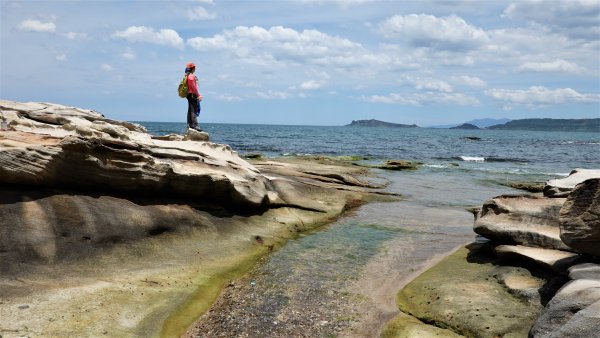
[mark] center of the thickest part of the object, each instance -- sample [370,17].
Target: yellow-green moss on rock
[461,294]
[405,326]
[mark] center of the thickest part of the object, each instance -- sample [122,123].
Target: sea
[344,277]
[522,154]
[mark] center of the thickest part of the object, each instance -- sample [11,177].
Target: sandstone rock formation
[580,218]
[106,230]
[399,165]
[550,238]
[563,186]
[525,220]
[556,260]
[74,148]
[573,312]
[462,294]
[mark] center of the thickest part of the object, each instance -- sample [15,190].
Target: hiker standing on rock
[193,96]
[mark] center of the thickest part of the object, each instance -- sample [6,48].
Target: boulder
[556,260]
[580,218]
[399,165]
[585,271]
[573,312]
[561,187]
[195,135]
[525,220]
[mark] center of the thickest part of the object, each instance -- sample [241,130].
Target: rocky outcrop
[534,243]
[465,293]
[525,220]
[106,230]
[556,260]
[399,165]
[580,218]
[563,186]
[573,312]
[52,145]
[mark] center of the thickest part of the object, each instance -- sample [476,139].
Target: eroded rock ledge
[106,230]
[533,272]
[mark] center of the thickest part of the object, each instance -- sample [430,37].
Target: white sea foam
[472,158]
[436,165]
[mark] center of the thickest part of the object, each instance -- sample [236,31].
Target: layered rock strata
[542,254]
[106,230]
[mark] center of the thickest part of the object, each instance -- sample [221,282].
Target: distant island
[466,126]
[377,123]
[546,124]
[536,124]
[480,123]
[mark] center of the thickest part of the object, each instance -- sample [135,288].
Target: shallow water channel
[341,281]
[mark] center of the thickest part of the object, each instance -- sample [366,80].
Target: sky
[307,62]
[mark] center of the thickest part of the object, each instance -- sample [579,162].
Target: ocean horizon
[512,154]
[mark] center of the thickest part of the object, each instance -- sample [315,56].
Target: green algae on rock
[406,326]
[461,294]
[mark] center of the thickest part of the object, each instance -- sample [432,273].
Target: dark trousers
[192,109]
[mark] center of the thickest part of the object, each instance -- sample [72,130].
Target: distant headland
[536,124]
[587,125]
[377,123]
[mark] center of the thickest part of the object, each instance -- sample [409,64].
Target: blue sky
[307,62]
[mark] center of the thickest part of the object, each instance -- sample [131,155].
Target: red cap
[190,65]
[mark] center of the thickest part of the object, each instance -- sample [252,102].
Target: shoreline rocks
[543,250]
[108,231]
[580,218]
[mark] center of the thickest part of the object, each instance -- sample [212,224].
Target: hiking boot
[197,128]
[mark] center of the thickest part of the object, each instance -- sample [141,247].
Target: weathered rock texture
[573,312]
[580,218]
[73,148]
[547,236]
[525,220]
[108,231]
[461,294]
[563,186]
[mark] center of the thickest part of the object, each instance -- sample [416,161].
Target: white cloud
[553,66]
[471,81]
[30,25]
[128,55]
[424,98]
[426,84]
[341,3]
[166,37]
[539,96]
[106,67]
[280,45]
[433,85]
[311,85]
[574,18]
[73,35]
[443,33]
[273,95]
[228,98]
[200,13]
[61,57]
